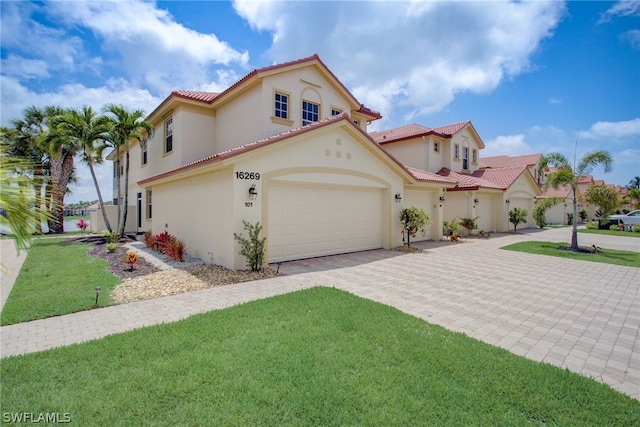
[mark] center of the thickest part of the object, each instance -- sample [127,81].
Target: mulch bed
[115,259]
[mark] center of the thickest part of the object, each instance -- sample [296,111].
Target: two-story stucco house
[287,146]
[453,152]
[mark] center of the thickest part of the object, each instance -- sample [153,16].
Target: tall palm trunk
[56,207]
[126,193]
[100,201]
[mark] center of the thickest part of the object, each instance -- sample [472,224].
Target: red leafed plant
[131,259]
[170,246]
[82,224]
[150,240]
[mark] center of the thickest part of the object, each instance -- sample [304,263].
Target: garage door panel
[313,221]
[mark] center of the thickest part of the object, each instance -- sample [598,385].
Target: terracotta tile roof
[585,179]
[421,175]
[264,142]
[206,97]
[209,97]
[562,191]
[598,182]
[414,131]
[499,179]
[505,161]
[451,129]
[399,133]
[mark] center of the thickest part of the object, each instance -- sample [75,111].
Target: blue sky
[533,77]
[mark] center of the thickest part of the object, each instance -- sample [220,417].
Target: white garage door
[309,221]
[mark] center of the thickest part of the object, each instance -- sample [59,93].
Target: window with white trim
[149,204]
[310,112]
[336,111]
[456,151]
[465,158]
[281,105]
[168,135]
[436,147]
[474,156]
[143,146]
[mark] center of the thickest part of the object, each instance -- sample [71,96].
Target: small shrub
[450,227]
[614,227]
[161,240]
[569,219]
[110,237]
[111,247]
[131,259]
[82,224]
[592,225]
[253,247]
[413,220]
[175,249]
[517,216]
[469,223]
[636,228]
[150,240]
[583,214]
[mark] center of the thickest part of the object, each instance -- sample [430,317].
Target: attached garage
[308,220]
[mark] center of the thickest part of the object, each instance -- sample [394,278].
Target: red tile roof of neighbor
[562,191]
[415,130]
[209,97]
[500,178]
[583,179]
[504,161]
[421,175]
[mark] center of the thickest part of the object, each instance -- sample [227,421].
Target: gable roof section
[415,131]
[497,179]
[562,191]
[424,176]
[231,153]
[506,161]
[255,76]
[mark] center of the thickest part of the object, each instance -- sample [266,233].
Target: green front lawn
[609,232]
[608,256]
[315,357]
[57,277]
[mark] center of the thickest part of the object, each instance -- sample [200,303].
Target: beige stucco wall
[199,211]
[197,133]
[97,220]
[464,138]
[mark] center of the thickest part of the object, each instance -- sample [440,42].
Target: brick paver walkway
[580,315]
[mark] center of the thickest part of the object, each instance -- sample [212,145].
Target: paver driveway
[580,315]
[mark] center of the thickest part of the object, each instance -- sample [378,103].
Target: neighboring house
[531,161]
[286,146]
[453,152]
[557,215]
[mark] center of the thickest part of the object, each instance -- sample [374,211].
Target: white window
[310,112]
[474,156]
[281,106]
[168,136]
[456,151]
[436,147]
[143,146]
[149,204]
[465,158]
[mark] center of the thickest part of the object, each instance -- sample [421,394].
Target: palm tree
[87,132]
[125,126]
[23,142]
[61,152]
[634,183]
[18,209]
[566,175]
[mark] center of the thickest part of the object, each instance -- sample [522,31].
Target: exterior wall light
[253,193]
[535,199]
[476,201]
[398,197]
[508,201]
[442,199]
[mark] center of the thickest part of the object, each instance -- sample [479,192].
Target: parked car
[632,218]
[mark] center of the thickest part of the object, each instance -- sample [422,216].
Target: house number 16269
[247,175]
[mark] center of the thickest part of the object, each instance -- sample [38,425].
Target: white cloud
[613,131]
[633,38]
[16,97]
[510,145]
[411,54]
[621,8]
[555,101]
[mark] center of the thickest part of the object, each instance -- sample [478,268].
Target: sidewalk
[11,263]
[574,314]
